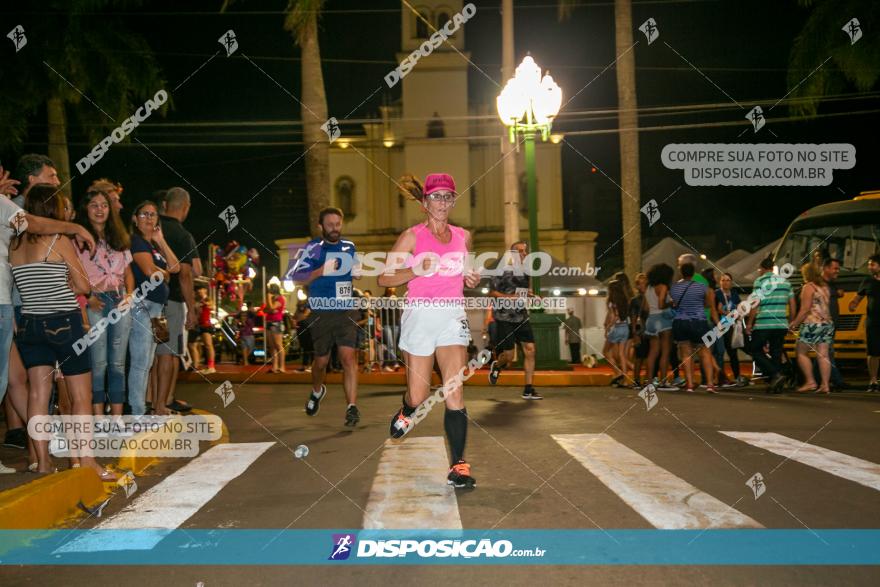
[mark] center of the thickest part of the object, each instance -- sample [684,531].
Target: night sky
[742,46]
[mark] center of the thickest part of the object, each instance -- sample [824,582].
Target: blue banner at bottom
[431,547]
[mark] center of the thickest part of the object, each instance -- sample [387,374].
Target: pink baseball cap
[435,182]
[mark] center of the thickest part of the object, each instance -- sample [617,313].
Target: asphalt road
[534,470]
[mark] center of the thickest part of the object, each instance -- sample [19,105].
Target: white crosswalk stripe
[664,500]
[830,461]
[410,489]
[173,501]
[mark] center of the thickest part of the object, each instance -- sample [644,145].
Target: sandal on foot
[108,476]
[179,406]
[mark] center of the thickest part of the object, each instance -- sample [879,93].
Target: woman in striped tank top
[690,299]
[49,275]
[435,323]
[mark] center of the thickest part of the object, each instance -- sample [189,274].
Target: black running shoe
[314,403]
[352,416]
[494,372]
[15,438]
[401,424]
[460,476]
[531,394]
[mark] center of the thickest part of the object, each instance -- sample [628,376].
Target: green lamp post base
[545,328]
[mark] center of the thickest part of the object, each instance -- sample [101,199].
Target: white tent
[745,271]
[665,251]
[732,258]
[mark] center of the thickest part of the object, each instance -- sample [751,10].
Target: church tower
[435,98]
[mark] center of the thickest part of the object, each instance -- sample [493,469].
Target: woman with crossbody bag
[689,324]
[151,255]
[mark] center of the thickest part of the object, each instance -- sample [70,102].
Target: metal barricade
[383,335]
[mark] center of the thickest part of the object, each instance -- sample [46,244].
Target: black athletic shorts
[510,333]
[329,327]
[691,331]
[873,334]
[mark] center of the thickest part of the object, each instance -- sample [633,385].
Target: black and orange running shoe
[401,424]
[460,476]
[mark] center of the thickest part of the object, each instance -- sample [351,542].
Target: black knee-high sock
[455,423]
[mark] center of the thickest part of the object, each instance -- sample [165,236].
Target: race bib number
[343,289]
[522,292]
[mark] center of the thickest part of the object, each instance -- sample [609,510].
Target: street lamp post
[527,105]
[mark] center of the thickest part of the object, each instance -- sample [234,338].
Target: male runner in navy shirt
[334,317]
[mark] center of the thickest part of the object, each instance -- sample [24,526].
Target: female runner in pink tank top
[434,323]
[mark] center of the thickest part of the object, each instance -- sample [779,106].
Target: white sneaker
[4,470]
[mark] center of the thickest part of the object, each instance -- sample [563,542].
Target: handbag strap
[684,292]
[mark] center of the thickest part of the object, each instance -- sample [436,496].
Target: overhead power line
[490,137]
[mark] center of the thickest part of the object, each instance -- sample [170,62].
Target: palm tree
[628,122]
[822,42]
[79,59]
[302,22]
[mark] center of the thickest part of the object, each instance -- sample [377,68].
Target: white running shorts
[422,330]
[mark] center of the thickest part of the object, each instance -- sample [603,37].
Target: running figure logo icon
[229,217]
[757,485]
[18,38]
[225,392]
[756,117]
[854,30]
[651,211]
[331,127]
[229,42]
[342,547]
[649,394]
[649,27]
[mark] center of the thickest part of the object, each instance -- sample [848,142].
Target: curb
[50,501]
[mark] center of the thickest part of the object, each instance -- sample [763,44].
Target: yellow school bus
[850,231]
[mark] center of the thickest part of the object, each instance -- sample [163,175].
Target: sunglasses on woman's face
[442,197]
[147,215]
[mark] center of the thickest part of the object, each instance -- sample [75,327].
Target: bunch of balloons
[235,266]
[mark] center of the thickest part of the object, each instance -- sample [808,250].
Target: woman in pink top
[275,328]
[434,323]
[112,281]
